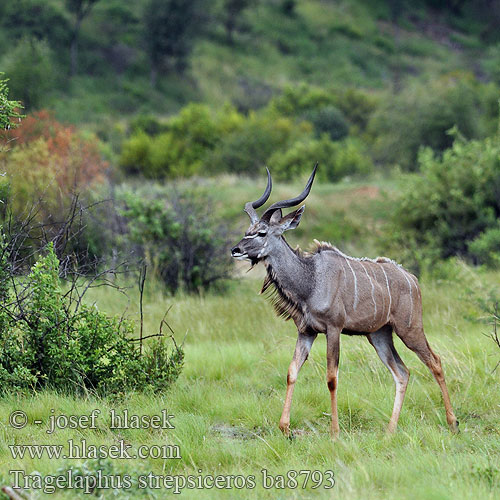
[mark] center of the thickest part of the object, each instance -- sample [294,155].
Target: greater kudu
[329,292]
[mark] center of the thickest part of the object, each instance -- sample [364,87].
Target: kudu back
[328,292]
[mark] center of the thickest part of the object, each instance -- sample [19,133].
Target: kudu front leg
[332,371]
[302,348]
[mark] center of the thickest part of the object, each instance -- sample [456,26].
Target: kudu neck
[293,272]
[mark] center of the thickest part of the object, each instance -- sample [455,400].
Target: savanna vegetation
[131,136]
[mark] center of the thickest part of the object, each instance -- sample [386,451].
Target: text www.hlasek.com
[83,450]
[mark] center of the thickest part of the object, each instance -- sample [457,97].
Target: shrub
[295,101]
[50,162]
[136,155]
[48,340]
[485,248]
[357,107]
[328,120]
[181,149]
[336,159]
[422,115]
[491,63]
[30,68]
[455,201]
[246,150]
[174,230]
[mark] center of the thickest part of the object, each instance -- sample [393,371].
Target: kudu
[329,292]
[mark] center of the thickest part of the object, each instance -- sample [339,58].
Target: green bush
[422,115]
[336,159]
[174,230]
[136,155]
[491,63]
[49,340]
[453,207]
[247,149]
[328,120]
[183,146]
[295,101]
[485,249]
[29,67]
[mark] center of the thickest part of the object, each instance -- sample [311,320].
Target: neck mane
[288,282]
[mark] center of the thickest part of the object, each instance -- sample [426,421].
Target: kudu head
[263,236]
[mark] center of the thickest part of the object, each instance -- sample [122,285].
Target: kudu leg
[384,346]
[416,341]
[302,348]
[332,371]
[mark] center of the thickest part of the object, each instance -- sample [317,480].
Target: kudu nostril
[235,250]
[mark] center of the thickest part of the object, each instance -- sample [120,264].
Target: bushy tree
[422,115]
[175,231]
[48,163]
[182,146]
[29,67]
[453,206]
[232,10]
[80,9]
[337,159]
[169,29]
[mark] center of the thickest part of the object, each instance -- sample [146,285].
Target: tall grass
[228,401]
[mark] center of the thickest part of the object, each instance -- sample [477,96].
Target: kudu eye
[262,234]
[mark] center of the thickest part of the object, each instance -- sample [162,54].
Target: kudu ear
[276,217]
[292,220]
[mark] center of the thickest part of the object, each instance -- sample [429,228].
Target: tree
[233,9]
[80,9]
[29,67]
[170,26]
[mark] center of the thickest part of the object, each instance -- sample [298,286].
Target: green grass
[228,401]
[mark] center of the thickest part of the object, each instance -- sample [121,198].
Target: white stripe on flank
[355,285]
[373,292]
[411,298]
[389,292]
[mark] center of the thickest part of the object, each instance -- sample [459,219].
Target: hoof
[285,428]
[454,427]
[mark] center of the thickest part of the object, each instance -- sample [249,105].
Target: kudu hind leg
[302,348]
[416,341]
[384,346]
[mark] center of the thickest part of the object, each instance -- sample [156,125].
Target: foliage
[8,109]
[491,63]
[181,149]
[247,149]
[49,339]
[170,26]
[29,67]
[485,248]
[297,100]
[50,162]
[422,115]
[176,233]
[452,208]
[232,10]
[336,159]
[328,120]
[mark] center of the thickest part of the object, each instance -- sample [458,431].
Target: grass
[228,401]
